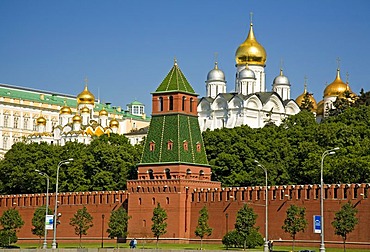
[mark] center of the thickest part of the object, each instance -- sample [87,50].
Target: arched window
[160,103]
[191,104]
[183,103]
[167,200]
[168,173]
[139,201]
[152,145]
[153,201]
[169,145]
[185,143]
[198,147]
[150,172]
[171,103]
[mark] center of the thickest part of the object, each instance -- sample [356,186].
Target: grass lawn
[176,246]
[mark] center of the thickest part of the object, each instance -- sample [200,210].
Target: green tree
[11,221]
[38,221]
[234,240]
[345,221]
[81,221]
[203,227]
[159,226]
[117,225]
[307,104]
[245,221]
[295,221]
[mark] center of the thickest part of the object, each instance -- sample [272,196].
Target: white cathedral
[251,104]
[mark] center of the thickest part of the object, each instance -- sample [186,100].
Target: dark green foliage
[159,226]
[38,221]
[105,164]
[245,221]
[292,152]
[81,221]
[234,240]
[118,221]
[11,221]
[345,221]
[203,228]
[295,221]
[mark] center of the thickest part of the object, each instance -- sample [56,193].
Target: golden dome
[300,98]
[65,110]
[320,108]
[250,51]
[114,123]
[41,120]
[85,110]
[86,97]
[103,112]
[77,118]
[337,87]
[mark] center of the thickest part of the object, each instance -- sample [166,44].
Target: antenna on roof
[338,62]
[251,17]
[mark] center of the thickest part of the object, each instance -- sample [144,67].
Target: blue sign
[317,224]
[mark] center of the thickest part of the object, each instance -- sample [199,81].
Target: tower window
[191,104]
[168,173]
[198,147]
[152,146]
[171,103]
[183,103]
[185,143]
[169,145]
[160,103]
[151,175]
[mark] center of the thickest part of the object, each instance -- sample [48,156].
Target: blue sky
[126,48]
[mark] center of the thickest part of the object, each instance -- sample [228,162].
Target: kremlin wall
[183,205]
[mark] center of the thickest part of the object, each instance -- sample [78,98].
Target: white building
[250,104]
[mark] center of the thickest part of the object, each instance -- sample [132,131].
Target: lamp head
[70,159]
[331,153]
[256,162]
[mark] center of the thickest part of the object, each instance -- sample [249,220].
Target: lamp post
[265,245]
[324,154]
[102,230]
[54,244]
[45,244]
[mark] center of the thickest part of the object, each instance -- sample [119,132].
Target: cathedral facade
[250,104]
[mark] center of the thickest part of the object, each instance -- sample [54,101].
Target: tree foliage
[117,225]
[159,226]
[345,221]
[38,221]
[292,151]
[11,221]
[203,227]
[81,221]
[105,164]
[295,221]
[245,221]
[234,240]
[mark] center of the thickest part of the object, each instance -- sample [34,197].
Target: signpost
[49,222]
[317,224]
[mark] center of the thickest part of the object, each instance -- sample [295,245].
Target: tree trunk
[156,245]
[344,244]
[293,242]
[201,243]
[80,240]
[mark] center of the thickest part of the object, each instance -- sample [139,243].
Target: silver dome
[216,74]
[281,79]
[246,73]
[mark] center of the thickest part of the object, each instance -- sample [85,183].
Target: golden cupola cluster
[41,120]
[86,97]
[250,51]
[310,97]
[65,110]
[337,87]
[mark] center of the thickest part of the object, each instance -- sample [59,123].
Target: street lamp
[324,154]
[54,244]
[102,230]
[45,244]
[265,246]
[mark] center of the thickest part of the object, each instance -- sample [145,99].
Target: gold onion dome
[41,120]
[65,110]
[337,87]
[103,112]
[320,108]
[250,51]
[86,97]
[85,110]
[77,118]
[301,97]
[114,123]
